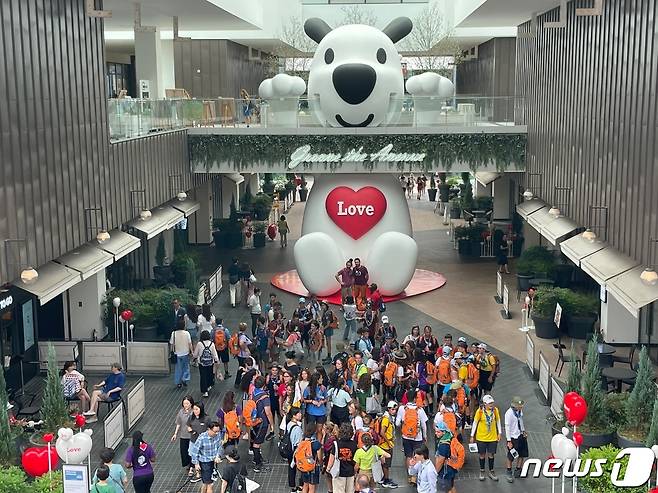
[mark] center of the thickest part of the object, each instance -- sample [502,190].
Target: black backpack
[285,445]
[239,484]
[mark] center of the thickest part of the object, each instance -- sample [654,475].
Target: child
[117,477]
[365,456]
[363,484]
[101,485]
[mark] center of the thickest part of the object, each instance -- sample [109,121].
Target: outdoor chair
[628,360]
[562,359]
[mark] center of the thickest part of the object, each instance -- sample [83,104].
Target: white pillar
[148,59]
[254,183]
[84,308]
[166,67]
[501,195]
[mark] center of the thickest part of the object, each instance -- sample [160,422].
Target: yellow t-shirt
[487,363]
[365,458]
[483,432]
[463,373]
[387,434]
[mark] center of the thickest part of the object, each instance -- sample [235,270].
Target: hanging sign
[304,154]
[558,315]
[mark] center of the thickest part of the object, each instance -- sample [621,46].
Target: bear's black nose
[354,82]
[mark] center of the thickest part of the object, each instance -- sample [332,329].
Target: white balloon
[654,449]
[65,433]
[121,319]
[75,450]
[555,442]
[565,431]
[89,431]
[566,450]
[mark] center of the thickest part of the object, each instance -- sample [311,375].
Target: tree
[233,214]
[592,391]
[573,381]
[293,52]
[639,406]
[431,45]
[652,437]
[246,199]
[355,14]
[53,409]
[191,277]
[6,445]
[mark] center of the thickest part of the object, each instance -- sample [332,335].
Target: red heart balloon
[80,420]
[577,438]
[575,410]
[569,398]
[355,212]
[127,314]
[35,460]
[48,437]
[271,231]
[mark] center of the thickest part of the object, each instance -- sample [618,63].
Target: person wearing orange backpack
[308,460]
[450,455]
[228,417]
[221,336]
[443,370]
[385,428]
[257,415]
[412,421]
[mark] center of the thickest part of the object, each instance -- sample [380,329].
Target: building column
[199,224]
[501,198]
[83,310]
[148,58]
[229,190]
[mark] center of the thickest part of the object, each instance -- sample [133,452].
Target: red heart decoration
[577,438]
[575,409]
[48,437]
[355,212]
[127,314]
[35,460]
[80,420]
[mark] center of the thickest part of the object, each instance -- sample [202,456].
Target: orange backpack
[457,454]
[410,424]
[373,434]
[232,424]
[220,339]
[421,398]
[250,411]
[431,373]
[390,373]
[304,456]
[473,376]
[234,344]
[461,399]
[450,420]
[443,372]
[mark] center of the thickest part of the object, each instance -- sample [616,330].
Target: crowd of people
[339,416]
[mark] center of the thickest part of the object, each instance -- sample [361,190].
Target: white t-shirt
[254,304]
[422,417]
[300,387]
[372,364]
[242,337]
[204,324]
[349,312]
[357,423]
[180,341]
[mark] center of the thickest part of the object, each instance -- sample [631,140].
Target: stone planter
[233,239]
[432,194]
[146,334]
[219,238]
[259,240]
[623,442]
[580,327]
[545,328]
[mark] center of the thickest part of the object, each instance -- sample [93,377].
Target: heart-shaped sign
[76,449]
[35,460]
[355,212]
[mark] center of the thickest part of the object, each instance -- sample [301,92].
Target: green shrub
[261,207]
[53,409]
[639,407]
[149,306]
[593,394]
[247,199]
[483,203]
[615,406]
[260,226]
[573,380]
[160,252]
[184,268]
[13,480]
[652,436]
[470,233]
[45,484]
[603,484]
[535,260]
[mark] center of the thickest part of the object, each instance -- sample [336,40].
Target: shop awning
[53,280]
[606,264]
[540,219]
[529,206]
[631,292]
[120,244]
[236,177]
[87,260]
[486,177]
[560,229]
[576,248]
[162,219]
[187,206]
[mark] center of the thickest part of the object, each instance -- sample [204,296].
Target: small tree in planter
[261,206]
[259,228]
[431,191]
[246,199]
[543,310]
[596,429]
[455,209]
[268,184]
[652,436]
[573,380]
[6,441]
[53,409]
[639,408]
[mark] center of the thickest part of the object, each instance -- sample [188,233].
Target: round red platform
[423,281]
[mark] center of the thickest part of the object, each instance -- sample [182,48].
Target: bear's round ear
[316,29]
[398,28]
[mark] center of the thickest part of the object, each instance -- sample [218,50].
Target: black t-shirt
[261,404]
[231,470]
[292,369]
[346,450]
[234,273]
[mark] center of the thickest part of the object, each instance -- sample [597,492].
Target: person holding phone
[517,438]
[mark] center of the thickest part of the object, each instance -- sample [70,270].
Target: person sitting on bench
[108,390]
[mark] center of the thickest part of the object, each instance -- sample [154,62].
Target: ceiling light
[589,235]
[145,215]
[554,211]
[649,277]
[527,195]
[181,196]
[102,237]
[29,275]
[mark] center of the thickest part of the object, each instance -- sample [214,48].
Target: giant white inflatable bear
[356,80]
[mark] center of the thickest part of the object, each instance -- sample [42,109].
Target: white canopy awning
[606,264]
[540,218]
[120,244]
[87,260]
[559,229]
[631,292]
[576,248]
[187,206]
[236,177]
[162,218]
[53,280]
[486,177]
[529,206]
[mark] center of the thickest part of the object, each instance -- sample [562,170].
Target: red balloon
[35,460]
[575,409]
[271,231]
[48,437]
[80,420]
[127,314]
[578,438]
[569,398]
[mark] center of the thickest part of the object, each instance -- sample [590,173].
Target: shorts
[316,420]
[223,355]
[206,472]
[425,387]
[258,434]
[484,383]
[312,477]
[521,446]
[487,447]
[410,446]
[389,461]
[328,332]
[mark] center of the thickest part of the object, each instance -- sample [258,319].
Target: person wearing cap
[376,298]
[231,469]
[446,474]
[387,428]
[517,438]
[346,280]
[488,365]
[349,314]
[486,432]
[387,330]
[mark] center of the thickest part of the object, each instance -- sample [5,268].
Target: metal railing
[129,118]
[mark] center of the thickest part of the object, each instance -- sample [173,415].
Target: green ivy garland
[475,149]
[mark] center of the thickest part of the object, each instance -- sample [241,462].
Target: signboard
[530,354]
[557,398]
[99,356]
[305,154]
[28,325]
[558,315]
[113,427]
[499,287]
[147,358]
[136,403]
[505,311]
[64,351]
[544,375]
[6,302]
[75,478]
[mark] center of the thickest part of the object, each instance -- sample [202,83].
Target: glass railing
[129,118]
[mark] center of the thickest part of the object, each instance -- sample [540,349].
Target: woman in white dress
[206,320]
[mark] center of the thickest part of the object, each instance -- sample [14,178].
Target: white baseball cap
[391,404]
[447,350]
[482,345]
[458,355]
[384,319]
[487,399]
[302,300]
[461,339]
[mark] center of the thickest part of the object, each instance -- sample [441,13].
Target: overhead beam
[91,11]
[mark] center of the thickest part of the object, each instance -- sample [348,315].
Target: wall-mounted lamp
[528,195]
[589,235]
[554,211]
[649,276]
[182,196]
[145,215]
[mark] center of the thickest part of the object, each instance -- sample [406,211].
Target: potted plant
[444,188]
[467,196]
[581,313]
[543,311]
[639,407]
[536,260]
[268,184]
[431,191]
[469,239]
[259,229]
[603,483]
[261,207]
[483,203]
[291,189]
[53,408]
[455,209]
[161,270]
[303,191]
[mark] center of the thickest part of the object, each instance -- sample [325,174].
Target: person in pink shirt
[346,279]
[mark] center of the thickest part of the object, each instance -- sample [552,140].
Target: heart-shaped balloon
[75,450]
[35,460]
[563,448]
[355,212]
[578,438]
[48,437]
[569,397]
[127,314]
[575,410]
[80,421]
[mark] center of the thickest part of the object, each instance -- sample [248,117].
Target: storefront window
[8,344]
[28,325]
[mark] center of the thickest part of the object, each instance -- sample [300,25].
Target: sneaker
[88,413]
[205,394]
[510,476]
[261,469]
[467,426]
[390,484]
[179,385]
[196,478]
[251,452]
[482,476]
[493,476]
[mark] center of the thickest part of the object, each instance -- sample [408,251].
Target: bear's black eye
[381,55]
[329,56]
